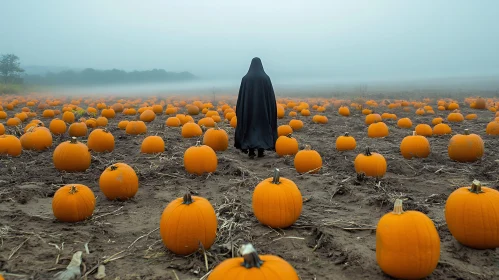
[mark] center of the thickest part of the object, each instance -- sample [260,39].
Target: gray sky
[217,38]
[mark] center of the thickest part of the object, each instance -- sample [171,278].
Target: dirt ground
[333,239]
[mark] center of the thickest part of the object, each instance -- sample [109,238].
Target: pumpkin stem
[414,133]
[397,208]
[466,132]
[289,135]
[73,140]
[307,147]
[368,152]
[114,167]
[198,143]
[347,134]
[251,258]
[105,130]
[73,190]
[216,126]
[476,187]
[187,199]
[276,178]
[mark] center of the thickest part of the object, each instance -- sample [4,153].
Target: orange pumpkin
[253,266]
[286,145]
[101,140]
[370,164]
[122,125]
[136,128]
[2,129]
[472,216]
[296,125]
[308,161]
[172,122]
[442,129]
[71,156]
[471,117]
[73,203]
[152,145]
[372,118]
[102,121]
[119,181]
[455,117]
[233,122]
[37,138]
[190,130]
[415,146]
[407,244]
[78,129]
[345,143]
[200,159]
[68,117]
[424,130]
[216,138]
[13,122]
[436,121]
[186,223]
[108,113]
[377,130]
[491,129]
[207,122]
[404,123]
[284,130]
[10,145]
[147,116]
[277,202]
[466,147]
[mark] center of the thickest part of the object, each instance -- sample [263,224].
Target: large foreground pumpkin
[254,267]
[119,181]
[277,202]
[73,203]
[472,216]
[407,244]
[187,223]
[72,156]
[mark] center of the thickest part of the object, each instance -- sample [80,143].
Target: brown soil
[333,239]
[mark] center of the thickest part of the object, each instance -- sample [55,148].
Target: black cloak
[256,110]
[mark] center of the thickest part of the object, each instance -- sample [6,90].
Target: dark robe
[256,110]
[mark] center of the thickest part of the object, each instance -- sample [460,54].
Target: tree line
[12,73]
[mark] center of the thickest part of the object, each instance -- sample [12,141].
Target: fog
[325,44]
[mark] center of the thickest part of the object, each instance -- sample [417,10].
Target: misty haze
[231,140]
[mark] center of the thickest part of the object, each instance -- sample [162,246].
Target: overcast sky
[218,38]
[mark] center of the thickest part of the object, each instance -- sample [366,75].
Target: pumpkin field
[151,187]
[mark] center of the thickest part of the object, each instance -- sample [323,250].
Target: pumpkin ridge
[201,216]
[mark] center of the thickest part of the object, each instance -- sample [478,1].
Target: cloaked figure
[256,112]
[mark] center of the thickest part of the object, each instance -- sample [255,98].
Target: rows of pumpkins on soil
[471,212]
